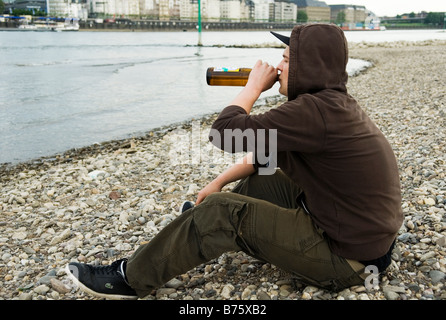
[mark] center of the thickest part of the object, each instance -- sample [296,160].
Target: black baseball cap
[282,38]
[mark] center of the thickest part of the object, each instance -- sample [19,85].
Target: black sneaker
[102,281]
[186,206]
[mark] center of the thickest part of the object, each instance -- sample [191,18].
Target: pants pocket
[217,222]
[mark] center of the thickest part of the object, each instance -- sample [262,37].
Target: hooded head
[318,59]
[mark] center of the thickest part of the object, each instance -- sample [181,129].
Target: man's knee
[213,198]
[222,198]
[220,208]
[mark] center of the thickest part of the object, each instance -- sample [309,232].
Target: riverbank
[167,25]
[99,203]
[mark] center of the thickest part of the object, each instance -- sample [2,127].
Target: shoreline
[109,146]
[99,203]
[113,144]
[192,28]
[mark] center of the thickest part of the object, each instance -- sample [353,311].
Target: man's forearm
[246,99]
[239,170]
[262,77]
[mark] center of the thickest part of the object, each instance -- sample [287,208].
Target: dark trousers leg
[195,237]
[260,217]
[204,232]
[277,189]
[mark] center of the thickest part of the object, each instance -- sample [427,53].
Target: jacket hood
[318,59]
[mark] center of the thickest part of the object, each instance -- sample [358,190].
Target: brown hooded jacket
[329,146]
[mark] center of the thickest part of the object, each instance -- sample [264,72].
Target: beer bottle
[227,76]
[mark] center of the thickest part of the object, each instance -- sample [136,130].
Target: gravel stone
[99,203]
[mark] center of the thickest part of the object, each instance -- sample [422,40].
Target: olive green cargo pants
[260,217]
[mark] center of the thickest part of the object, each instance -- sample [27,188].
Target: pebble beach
[99,203]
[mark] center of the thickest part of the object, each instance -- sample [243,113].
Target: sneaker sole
[84,288]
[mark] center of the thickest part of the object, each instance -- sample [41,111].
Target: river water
[66,90]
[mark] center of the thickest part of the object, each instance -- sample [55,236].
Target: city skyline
[380,8]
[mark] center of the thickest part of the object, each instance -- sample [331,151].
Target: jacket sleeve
[294,126]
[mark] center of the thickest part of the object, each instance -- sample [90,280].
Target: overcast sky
[394,7]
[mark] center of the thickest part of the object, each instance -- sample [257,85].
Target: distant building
[72,8]
[163,10]
[39,5]
[188,10]
[235,10]
[148,9]
[110,8]
[54,8]
[247,10]
[159,9]
[230,10]
[262,10]
[210,10]
[283,12]
[352,13]
[317,11]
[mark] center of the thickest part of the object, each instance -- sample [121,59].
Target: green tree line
[432,19]
[435,18]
